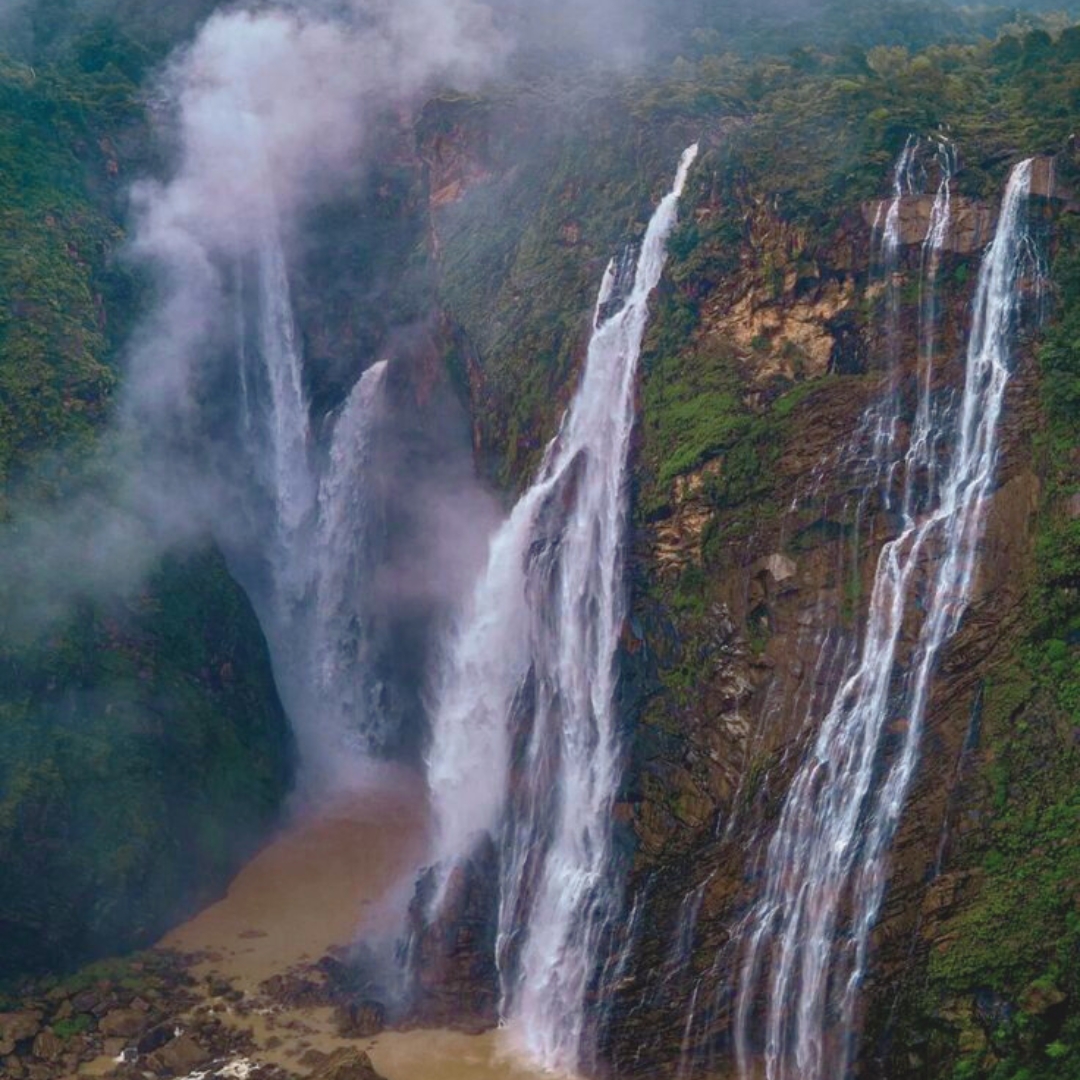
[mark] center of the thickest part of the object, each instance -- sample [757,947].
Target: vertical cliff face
[468,257]
[756,569]
[755,542]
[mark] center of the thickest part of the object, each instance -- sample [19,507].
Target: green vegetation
[522,254]
[144,750]
[143,747]
[800,139]
[58,273]
[144,753]
[74,1025]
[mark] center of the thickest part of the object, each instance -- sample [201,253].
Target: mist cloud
[271,110]
[267,114]
[268,111]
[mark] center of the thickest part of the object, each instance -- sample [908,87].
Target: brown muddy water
[340,872]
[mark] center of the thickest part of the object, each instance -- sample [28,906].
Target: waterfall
[280,452]
[345,552]
[319,535]
[316,526]
[524,741]
[807,934]
[289,426]
[884,418]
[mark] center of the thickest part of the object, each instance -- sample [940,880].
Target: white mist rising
[271,112]
[266,114]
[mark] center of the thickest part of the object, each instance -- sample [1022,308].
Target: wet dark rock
[105,1002]
[86,1000]
[156,1038]
[360,1021]
[347,1064]
[295,991]
[218,987]
[453,958]
[124,1023]
[178,1057]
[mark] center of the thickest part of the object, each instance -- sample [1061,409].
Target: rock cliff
[754,547]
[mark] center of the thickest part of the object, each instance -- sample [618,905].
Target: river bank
[258,985]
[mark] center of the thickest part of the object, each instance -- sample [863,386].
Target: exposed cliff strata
[738,689]
[781,308]
[971,222]
[752,558]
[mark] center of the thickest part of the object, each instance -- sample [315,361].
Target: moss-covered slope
[143,754]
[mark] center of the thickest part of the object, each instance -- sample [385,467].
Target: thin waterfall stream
[807,935]
[525,744]
[316,519]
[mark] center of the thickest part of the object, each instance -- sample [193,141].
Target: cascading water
[281,454]
[524,736]
[316,527]
[345,552]
[825,866]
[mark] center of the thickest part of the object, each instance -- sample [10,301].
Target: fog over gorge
[539,540]
[267,113]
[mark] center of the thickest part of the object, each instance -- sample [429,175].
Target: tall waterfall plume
[346,552]
[315,525]
[525,744]
[806,937]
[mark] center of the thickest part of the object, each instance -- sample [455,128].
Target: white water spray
[525,729]
[828,854]
[345,553]
[319,542]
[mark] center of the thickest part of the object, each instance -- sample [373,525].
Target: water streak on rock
[807,935]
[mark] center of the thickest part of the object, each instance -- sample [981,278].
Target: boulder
[361,1020]
[17,1026]
[86,1000]
[48,1046]
[177,1057]
[124,1023]
[347,1064]
[156,1038]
